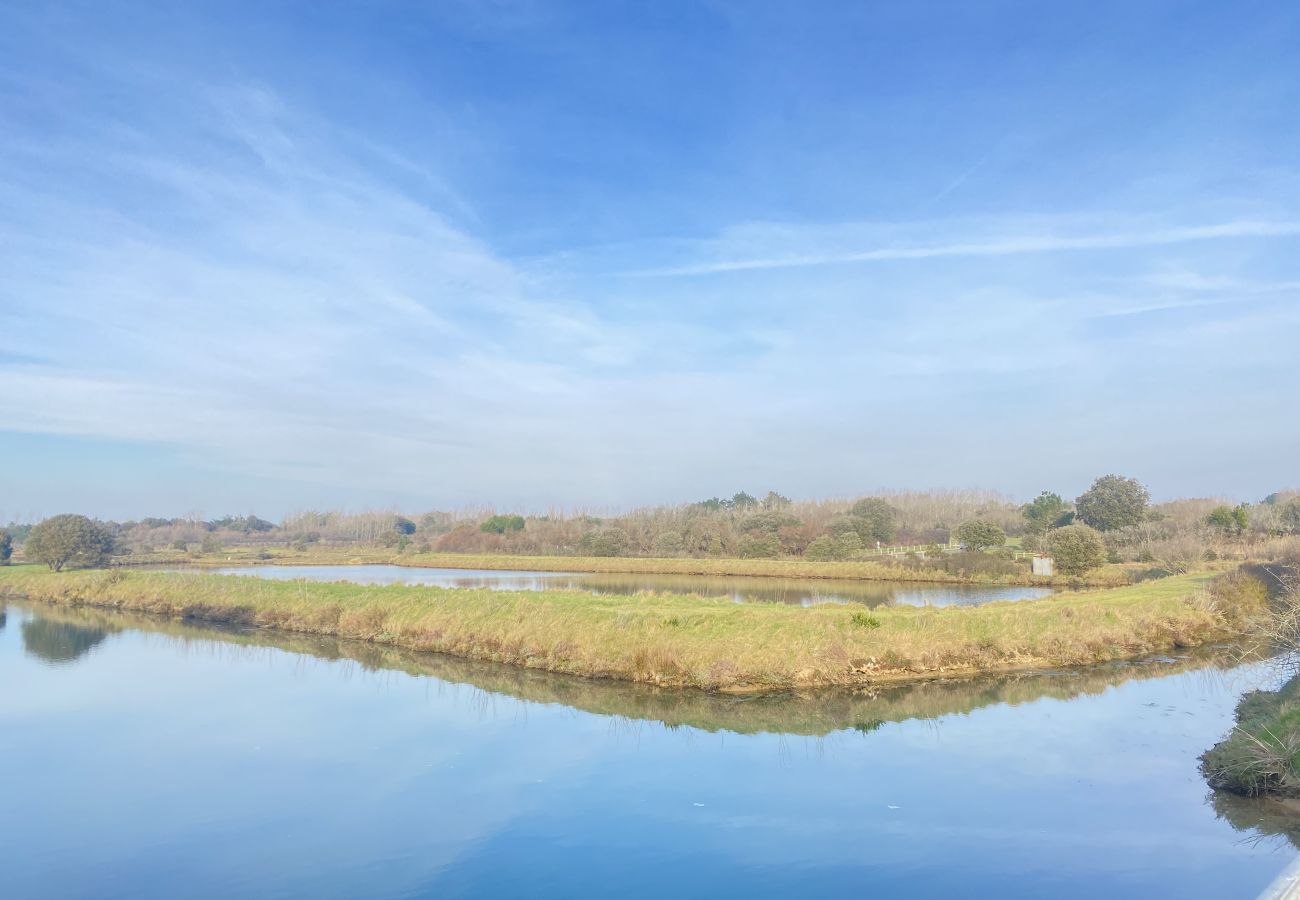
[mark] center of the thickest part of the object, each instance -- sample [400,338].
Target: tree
[69,540]
[773,500]
[6,547]
[875,519]
[1076,549]
[977,535]
[1046,511]
[1289,516]
[502,524]
[1113,502]
[403,525]
[1229,520]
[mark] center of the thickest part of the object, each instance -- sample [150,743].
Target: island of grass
[686,640]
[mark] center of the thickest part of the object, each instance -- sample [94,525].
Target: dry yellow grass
[683,640]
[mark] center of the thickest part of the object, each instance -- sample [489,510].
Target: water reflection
[253,763]
[742,589]
[60,642]
[806,713]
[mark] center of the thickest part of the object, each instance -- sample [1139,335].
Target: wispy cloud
[1003,246]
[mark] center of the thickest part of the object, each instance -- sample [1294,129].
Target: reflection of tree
[4,616]
[60,642]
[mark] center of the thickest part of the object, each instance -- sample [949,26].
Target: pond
[742,589]
[150,758]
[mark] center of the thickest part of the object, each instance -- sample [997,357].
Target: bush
[180,545]
[211,544]
[1076,549]
[69,540]
[824,549]
[608,542]
[1113,502]
[6,547]
[977,535]
[669,543]
[759,546]
[1229,520]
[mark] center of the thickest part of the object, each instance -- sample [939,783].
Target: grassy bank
[859,570]
[681,640]
[802,712]
[1262,754]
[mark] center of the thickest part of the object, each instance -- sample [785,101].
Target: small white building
[1043,565]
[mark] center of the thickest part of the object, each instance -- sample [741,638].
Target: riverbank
[690,641]
[857,570]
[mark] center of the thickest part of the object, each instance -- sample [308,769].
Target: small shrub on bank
[1076,549]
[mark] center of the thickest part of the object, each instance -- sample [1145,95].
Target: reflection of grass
[860,570]
[677,640]
[803,712]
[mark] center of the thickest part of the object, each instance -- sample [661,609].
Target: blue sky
[275,256]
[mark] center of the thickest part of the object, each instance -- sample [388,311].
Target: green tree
[1076,549]
[1113,502]
[1229,520]
[403,525]
[978,535]
[876,520]
[502,524]
[773,500]
[69,540]
[1046,511]
[6,547]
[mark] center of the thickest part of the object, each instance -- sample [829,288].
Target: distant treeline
[1113,519]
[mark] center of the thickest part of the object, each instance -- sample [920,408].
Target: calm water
[806,592]
[147,759]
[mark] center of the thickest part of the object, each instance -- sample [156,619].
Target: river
[148,758]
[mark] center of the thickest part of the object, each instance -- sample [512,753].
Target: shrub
[759,546]
[864,620]
[607,542]
[824,549]
[6,547]
[669,543]
[180,545]
[977,535]
[1113,502]
[1076,549]
[69,540]
[1229,520]
[211,544]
